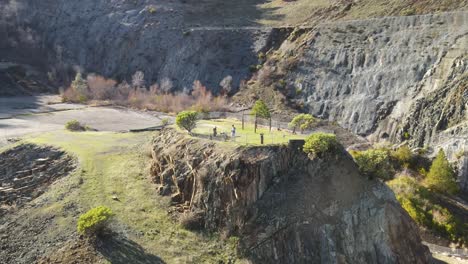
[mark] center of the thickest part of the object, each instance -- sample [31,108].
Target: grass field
[245,136]
[117,164]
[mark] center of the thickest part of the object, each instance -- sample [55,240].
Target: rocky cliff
[393,78]
[118,38]
[285,207]
[396,78]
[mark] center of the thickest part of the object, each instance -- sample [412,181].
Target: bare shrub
[157,97]
[192,220]
[101,88]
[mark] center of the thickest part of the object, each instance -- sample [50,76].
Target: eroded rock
[286,207]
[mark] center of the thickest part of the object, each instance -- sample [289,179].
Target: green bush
[302,121]
[94,221]
[187,120]
[403,156]
[374,163]
[320,144]
[261,110]
[423,208]
[74,125]
[441,177]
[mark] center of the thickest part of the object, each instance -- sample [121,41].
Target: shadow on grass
[120,250]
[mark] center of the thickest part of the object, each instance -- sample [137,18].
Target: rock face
[369,74]
[285,207]
[118,38]
[398,78]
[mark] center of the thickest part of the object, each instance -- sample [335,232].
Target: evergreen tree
[441,177]
[261,110]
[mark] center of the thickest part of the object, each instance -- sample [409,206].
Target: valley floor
[112,171]
[21,116]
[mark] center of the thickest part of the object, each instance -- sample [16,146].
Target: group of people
[233,132]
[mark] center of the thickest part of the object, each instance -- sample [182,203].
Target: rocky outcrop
[368,74]
[285,207]
[118,38]
[397,78]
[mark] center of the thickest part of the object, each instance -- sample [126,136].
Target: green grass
[244,137]
[116,164]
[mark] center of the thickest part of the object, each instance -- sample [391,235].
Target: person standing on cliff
[233,132]
[215,131]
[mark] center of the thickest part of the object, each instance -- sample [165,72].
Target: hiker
[215,131]
[233,132]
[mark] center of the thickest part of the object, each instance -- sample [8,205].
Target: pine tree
[441,177]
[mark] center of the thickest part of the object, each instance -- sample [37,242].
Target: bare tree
[138,79]
[166,85]
[226,84]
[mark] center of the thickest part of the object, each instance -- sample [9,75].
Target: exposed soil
[27,170]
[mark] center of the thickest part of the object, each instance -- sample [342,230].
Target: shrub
[94,221]
[403,156]
[319,144]
[302,121]
[74,125]
[404,185]
[192,220]
[78,90]
[187,120]
[165,121]
[422,207]
[441,177]
[101,88]
[374,163]
[261,110]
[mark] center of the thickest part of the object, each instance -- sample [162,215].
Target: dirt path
[20,116]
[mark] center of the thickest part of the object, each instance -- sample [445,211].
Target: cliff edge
[284,206]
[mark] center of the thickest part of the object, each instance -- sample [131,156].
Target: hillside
[178,41]
[388,78]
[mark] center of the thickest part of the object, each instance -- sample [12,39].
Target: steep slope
[177,41]
[397,78]
[285,207]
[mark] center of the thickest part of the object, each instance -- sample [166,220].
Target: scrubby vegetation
[403,156]
[441,177]
[187,120]
[303,122]
[191,220]
[320,144]
[374,163]
[424,207]
[157,97]
[94,221]
[74,125]
[406,174]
